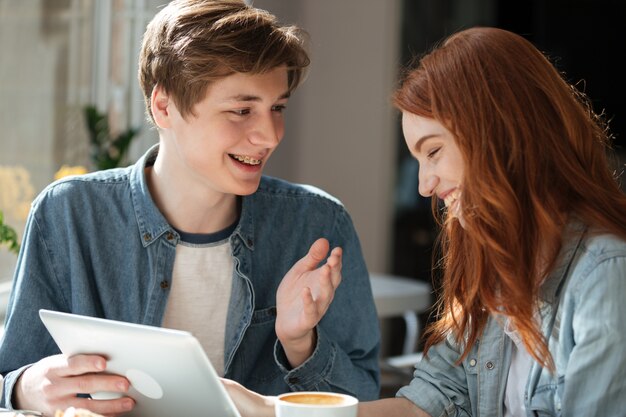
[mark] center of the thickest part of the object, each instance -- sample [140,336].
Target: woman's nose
[427,182]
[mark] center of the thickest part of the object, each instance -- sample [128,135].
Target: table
[397,296]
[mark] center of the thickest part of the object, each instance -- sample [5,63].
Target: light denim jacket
[583,315]
[97,245]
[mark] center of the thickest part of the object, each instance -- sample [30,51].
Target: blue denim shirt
[97,245]
[583,316]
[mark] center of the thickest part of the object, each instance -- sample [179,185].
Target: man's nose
[268,131]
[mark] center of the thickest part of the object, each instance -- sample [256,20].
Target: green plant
[107,151]
[8,236]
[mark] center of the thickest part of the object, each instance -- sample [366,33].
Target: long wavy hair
[535,154]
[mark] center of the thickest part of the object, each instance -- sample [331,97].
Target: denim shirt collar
[151,222]
[572,237]
[245,228]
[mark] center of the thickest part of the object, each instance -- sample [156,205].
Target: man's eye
[241,112]
[279,108]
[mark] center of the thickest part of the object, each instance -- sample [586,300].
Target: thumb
[317,253]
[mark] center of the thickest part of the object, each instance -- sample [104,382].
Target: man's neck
[189,209]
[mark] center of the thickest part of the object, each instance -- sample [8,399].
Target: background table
[396,296]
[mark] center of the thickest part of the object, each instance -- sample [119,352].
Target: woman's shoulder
[600,256]
[600,244]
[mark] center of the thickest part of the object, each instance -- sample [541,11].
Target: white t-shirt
[200,292]
[521,362]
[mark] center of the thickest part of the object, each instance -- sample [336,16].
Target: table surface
[393,295]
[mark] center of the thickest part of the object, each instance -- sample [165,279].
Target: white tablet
[169,372]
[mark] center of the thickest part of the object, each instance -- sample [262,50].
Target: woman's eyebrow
[418,144]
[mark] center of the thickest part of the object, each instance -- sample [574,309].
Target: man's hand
[303,298]
[52,384]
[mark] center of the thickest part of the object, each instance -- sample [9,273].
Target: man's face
[235,129]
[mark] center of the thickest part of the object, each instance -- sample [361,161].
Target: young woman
[532,319]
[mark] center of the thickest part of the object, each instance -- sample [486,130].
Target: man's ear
[160,105]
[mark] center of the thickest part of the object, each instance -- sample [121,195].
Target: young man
[193,237]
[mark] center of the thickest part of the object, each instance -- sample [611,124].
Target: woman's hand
[249,403]
[302,299]
[52,384]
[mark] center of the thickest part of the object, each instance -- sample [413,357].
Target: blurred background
[66,65]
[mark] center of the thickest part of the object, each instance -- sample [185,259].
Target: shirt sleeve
[26,340]
[594,378]
[439,386]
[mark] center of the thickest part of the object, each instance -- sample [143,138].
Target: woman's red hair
[535,154]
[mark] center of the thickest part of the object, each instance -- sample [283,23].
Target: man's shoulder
[279,188]
[84,188]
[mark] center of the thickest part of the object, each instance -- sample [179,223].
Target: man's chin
[248,188]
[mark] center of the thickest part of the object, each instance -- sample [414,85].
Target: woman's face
[441,164]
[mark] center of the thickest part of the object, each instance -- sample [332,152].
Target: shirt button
[169,236]
[293,379]
[147,237]
[472,362]
[489,365]
[165,285]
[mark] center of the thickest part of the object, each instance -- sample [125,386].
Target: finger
[322,284]
[105,407]
[68,387]
[336,257]
[309,308]
[335,262]
[326,291]
[335,279]
[78,365]
[319,250]
[317,253]
[91,383]
[326,281]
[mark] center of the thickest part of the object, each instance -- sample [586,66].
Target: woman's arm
[390,407]
[251,404]
[594,379]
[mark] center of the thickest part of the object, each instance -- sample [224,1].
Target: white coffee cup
[316,404]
